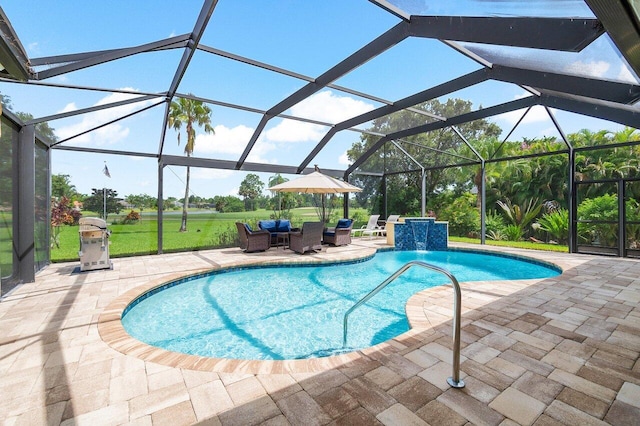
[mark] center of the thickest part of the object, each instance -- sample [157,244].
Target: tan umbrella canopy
[316,183]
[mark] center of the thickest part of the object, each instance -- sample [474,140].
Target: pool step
[328,352]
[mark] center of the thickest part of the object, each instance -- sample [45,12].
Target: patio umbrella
[316,183]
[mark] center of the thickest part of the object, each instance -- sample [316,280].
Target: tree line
[526,196]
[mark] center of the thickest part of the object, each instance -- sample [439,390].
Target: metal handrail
[454,380]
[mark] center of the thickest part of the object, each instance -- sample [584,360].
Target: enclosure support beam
[482,193]
[423,204]
[618,19]
[621,220]
[160,203]
[573,205]
[85,60]
[451,86]
[24,216]
[622,93]
[385,199]
[390,38]
[452,121]
[563,34]
[626,115]
[181,160]
[187,55]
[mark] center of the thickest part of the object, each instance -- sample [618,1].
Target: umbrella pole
[324,212]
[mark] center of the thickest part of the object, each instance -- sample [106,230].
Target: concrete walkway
[563,350]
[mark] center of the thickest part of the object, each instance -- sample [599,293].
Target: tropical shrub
[227,237]
[520,216]
[513,233]
[462,215]
[359,217]
[494,223]
[632,214]
[496,235]
[132,217]
[62,213]
[603,208]
[556,225]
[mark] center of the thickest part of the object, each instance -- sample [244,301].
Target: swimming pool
[275,313]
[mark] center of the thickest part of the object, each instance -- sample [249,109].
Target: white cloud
[232,141]
[323,106]
[225,140]
[592,69]
[295,131]
[344,159]
[33,48]
[107,135]
[210,174]
[550,131]
[536,114]
[260,149]
[69,107]
[626,75]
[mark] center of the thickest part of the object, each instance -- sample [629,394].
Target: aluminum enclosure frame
[598,98]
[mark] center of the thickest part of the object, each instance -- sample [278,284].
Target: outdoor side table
[282,240]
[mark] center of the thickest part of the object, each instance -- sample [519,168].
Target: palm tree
[189,112]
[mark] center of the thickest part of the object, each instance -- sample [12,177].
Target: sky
[303,36]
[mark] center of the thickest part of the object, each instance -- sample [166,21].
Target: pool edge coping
[112,331]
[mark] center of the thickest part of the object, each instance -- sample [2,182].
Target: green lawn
[517,244]
[205,229]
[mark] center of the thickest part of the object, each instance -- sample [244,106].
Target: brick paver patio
[563,350]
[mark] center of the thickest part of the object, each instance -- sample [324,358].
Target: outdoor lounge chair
[392,218]
[251,241]
[310,238]
[371,228]
[340,235]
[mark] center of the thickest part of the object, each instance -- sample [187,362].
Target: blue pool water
[297,312]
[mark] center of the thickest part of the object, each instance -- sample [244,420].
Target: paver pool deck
[561,350]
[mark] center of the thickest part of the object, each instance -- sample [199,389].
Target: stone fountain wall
[421,233]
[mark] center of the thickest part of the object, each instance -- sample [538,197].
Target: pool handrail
[453,381]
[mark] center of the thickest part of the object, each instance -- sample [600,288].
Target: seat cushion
[246,225]
[344,223]
[283,225]
[329,233]
[268,225]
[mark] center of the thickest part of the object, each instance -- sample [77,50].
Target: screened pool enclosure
[324,74]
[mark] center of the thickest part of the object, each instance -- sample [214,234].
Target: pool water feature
[292,312]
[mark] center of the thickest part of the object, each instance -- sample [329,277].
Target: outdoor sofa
[276,226]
